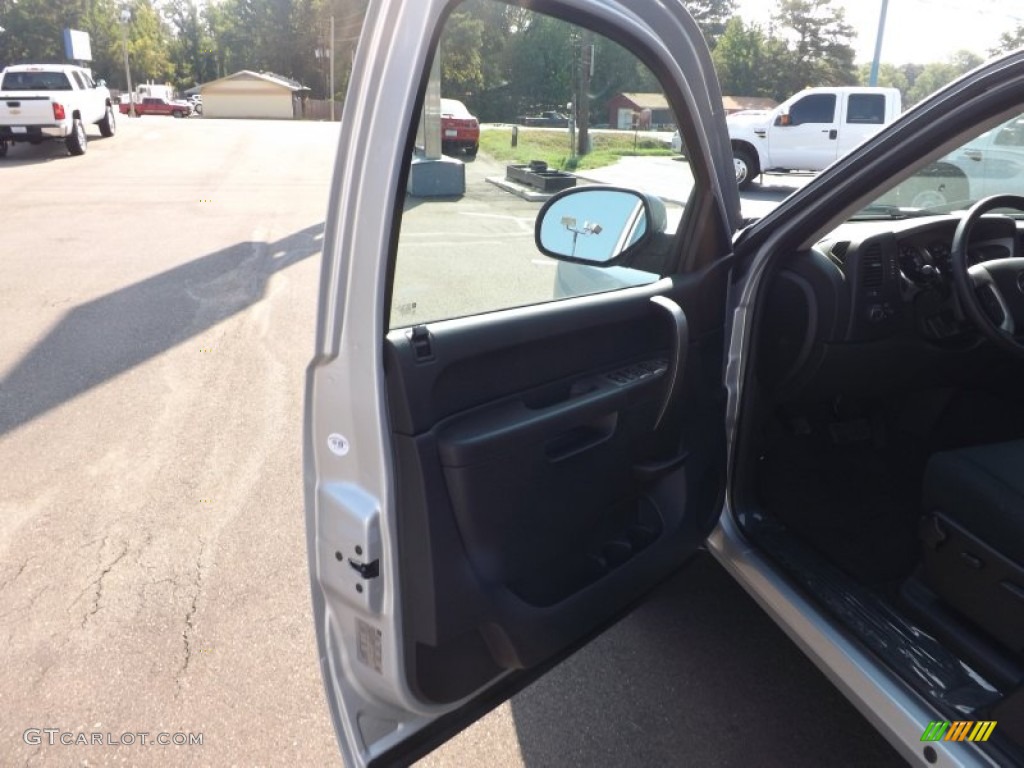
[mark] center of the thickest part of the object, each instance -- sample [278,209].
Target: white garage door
[275,105]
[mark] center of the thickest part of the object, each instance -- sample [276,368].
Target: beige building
[249,94]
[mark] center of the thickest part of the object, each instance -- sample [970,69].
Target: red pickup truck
[158,106]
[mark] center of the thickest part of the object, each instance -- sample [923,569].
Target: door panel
[530,469]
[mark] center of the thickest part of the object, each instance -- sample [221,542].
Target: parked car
[460,130]
[196,102]
[992,163]
[156,105]
[52,101]
[810,130]
[830,399]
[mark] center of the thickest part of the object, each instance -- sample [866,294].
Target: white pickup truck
[52,101]
[810,130]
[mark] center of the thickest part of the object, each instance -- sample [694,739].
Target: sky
[918,31]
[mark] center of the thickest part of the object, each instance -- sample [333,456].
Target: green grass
[553,148]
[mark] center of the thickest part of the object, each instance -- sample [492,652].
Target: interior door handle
[681,343]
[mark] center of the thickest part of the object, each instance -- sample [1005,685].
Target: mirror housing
[597,226]
[783,119]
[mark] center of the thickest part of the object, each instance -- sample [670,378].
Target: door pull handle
[677,362]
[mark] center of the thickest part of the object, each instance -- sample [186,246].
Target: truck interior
[882,463]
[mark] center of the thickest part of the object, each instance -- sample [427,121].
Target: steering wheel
[991,293]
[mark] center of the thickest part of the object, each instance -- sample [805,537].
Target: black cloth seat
[981,489]
[973,534]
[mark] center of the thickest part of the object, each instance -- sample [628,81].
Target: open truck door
[493,474]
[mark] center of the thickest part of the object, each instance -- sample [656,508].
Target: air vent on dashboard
[872,269]
[839,250]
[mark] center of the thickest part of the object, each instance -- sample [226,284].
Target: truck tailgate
[20,111]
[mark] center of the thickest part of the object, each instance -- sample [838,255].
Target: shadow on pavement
[697,676]
[96,341]
[24,153]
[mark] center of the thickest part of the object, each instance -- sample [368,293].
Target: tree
[889,76]
[818,39]
[937,74]
[311,27]
[192,49]
[495,100]
[34,33]
[102,22]
[34,29]
[1009,41]
[748,62]
[149,44]
[462,73]
[540,63]
[617,70]
[712,16]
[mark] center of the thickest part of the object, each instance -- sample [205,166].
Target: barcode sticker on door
[369,645]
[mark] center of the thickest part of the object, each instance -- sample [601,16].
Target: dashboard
[875,301]
[901,277]
[923,260]
[923,263]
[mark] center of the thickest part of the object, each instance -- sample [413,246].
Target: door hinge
[422,347]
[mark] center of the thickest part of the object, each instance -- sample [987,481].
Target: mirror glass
[593,225]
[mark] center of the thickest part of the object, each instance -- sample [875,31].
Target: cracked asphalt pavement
[157,307]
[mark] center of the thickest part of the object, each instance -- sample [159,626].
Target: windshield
[35,81]
[991,163]
[455,109]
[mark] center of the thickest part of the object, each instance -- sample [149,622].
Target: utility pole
[873,80]
[574,105]
[330,61]
[583,97]
[126,16]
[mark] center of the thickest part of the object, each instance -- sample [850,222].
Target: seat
[973,534]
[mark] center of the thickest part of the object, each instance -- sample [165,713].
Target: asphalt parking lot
[158,301]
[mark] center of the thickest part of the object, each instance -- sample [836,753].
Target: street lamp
[126,16]
[588,228]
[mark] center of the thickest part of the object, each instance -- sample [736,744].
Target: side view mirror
[783,119]
[101,83]
[597,225]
